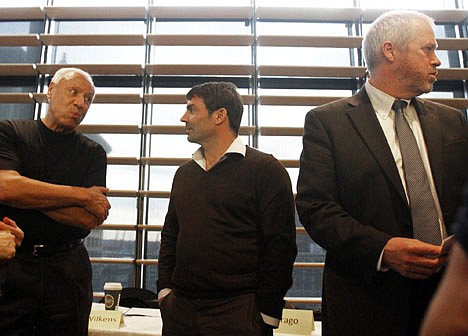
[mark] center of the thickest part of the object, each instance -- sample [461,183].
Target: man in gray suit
[355,197]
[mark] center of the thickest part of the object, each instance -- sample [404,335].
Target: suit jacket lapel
[432,133]
[362,116]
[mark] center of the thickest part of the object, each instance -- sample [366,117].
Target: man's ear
[220,115]
[50,90]
[388,50]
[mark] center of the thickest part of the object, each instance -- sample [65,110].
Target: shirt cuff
[163,293]
[379,264]
[274,322]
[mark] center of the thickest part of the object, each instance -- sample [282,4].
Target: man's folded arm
[26,193]
[74,216]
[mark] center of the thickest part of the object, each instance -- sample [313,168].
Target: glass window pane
[303,56]
[305,3]
[116,114]
[282,147]
[103,3]
[164,145]
[96,55]
[111,244]
[123,145]
[307,282]
[302,28]
[151,276]
[202,28]
[283,116]
[404,4]
[153,244]
[102,273]
[161,177]
[122,177]
[123,211]
[201,55]
[157,209]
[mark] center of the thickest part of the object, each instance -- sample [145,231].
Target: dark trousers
[46,295]
[234,316]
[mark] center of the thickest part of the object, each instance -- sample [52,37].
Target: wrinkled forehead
[77,81]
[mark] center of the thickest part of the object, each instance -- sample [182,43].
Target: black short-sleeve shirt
[34,151]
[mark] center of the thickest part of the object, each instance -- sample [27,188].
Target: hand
[10,225]
[7,243]
[98,204]
[412,258]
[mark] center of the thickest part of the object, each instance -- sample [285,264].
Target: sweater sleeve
[167,251]
[277,226]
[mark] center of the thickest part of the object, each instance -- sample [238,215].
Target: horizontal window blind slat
[311,71]
[17,69]
[21,13]
[92,39]
[309,41]
[19,40]
[19,98]
[112,260]
[320,100]
[101,12]
[460,103]
[200,69]
[296,100]
[452,43]
[122,160]
[110,129]
[118,98]
[439,15]
[122,193]
[117,227]
[163,161]
[95,69]
[153,98]
[200,40]
[155,194]
[103,98]
[281,131]
[452,74]
[157,129]
[309,14]
[201,12]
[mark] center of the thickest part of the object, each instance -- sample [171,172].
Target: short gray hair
[69,73]
[398,26]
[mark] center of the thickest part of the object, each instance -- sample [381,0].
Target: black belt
[46,250]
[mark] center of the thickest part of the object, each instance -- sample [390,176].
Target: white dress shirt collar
[381,101]
[237,147]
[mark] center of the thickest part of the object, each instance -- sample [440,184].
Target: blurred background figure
[448,312]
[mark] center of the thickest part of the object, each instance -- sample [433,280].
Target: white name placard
[296,322]
[105,319]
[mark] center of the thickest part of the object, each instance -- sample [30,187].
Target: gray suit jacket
[351,201]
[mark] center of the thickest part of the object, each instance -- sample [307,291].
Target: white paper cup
[112,292]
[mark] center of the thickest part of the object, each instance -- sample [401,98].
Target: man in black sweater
[228,242]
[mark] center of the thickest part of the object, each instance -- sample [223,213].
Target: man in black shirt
[52,183]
